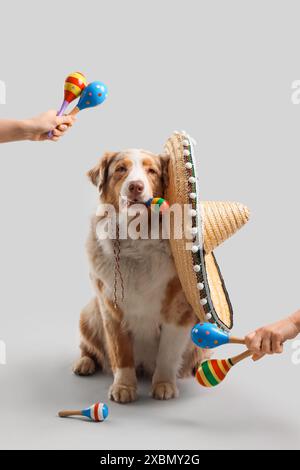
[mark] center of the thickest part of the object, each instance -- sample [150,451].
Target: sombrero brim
[195,262]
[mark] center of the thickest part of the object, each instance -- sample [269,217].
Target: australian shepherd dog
[148,329]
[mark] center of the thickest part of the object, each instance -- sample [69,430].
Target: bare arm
[295,318]
[36,128]
[270,339]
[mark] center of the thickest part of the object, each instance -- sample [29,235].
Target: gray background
[222,71]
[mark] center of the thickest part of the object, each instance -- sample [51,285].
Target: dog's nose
[136,188]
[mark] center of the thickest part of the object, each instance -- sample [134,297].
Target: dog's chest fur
[147,267]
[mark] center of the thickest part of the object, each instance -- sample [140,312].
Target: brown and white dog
[149,329]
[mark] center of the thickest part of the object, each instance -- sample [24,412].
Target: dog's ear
[99,174]
[93,174]
[164,159]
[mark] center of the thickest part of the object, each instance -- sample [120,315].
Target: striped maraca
[209,336]
[214,371]
[157,203]
[93,95]
[74,84]
[97,412]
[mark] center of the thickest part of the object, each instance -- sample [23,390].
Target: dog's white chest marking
[147,267]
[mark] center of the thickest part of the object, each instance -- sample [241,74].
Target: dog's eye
[151,171]
[121,169]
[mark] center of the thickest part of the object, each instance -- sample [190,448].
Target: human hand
[270,339]
[37,128]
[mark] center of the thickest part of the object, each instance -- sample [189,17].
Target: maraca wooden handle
[236,359]
[74,111]
[235,340]
[66,413]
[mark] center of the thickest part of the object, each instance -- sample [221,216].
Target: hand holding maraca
[90,95]
[270,338]
[34,129]
[75,83]
[37,128]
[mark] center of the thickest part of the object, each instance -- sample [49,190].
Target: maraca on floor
[97,412]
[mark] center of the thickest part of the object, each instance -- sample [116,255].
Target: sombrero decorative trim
[213,223]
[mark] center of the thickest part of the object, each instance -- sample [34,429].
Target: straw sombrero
[211,224]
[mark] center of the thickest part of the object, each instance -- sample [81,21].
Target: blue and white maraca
[93,95]
[97,412]
[210,336]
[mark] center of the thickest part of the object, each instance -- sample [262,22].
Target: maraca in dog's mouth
[126,202]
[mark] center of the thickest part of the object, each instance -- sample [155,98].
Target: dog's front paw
[164,391]
[122,393]
[84,366]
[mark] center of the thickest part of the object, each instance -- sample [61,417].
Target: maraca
[97,412]
[93,95]
[214,371]
[157,204]
[209,336]
[74,84]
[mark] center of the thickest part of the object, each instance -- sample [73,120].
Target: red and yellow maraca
[75,83]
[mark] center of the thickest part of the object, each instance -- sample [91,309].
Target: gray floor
[254,408]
